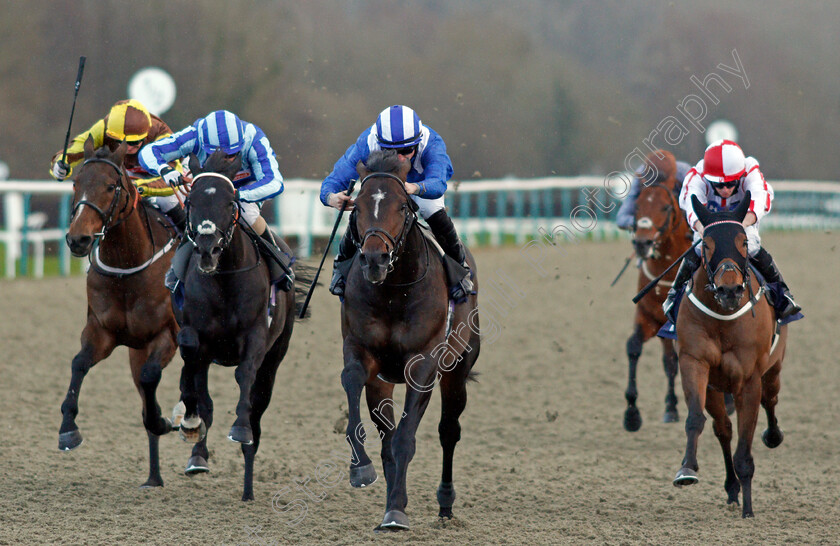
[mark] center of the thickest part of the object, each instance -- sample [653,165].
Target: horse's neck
[412,259]
[128,243]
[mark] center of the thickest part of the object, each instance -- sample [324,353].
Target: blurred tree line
[519,87]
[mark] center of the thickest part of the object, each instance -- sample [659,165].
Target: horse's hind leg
[723,431]
[381,407]
[671,365]
[453,395]
[770,385]
[97,344]
[747,405]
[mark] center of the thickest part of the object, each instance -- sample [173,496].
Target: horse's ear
[362,169]
[703,214]
[235,166]
[119,153]
[743,207]
[89,147]
[195,166]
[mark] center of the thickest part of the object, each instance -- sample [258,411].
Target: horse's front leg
[421,374]
[670,363]
[770,385]
[632,417]
[379,395]
[252,348]
[695,379]
[716,407]
[97,344]
[747,405]
[197,463]
[192,427]
[353,379]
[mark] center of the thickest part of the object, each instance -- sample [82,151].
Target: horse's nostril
[216,251]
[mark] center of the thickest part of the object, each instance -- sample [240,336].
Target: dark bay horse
[396,321]
[226,316]
[127,301]
[660,236]
[726,344]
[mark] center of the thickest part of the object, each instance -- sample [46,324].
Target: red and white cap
[723,161]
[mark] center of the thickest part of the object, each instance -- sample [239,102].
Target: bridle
[724,266]
[667,227]
[209,228]
[108,215]
[392,243]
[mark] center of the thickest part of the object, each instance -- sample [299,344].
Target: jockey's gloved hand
[60,169]
[171,176]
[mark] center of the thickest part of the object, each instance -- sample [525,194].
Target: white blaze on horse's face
[378,196]
[644,223]
[206,227]
[210,191]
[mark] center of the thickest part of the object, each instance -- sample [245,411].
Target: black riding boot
[687,268]
[178,217]
[279,263]
[765,264]
[342,263]
[460,284]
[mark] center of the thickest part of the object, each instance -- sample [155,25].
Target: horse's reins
[109,215]
[395,243]
[225,237]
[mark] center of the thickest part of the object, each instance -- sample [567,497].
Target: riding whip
[326,251]
[73,110]
[620,273]
[652,283]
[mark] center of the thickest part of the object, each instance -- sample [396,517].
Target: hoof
[671,416]
[632,419]
[363,476]
[394,520]
[69,440]
[152,482]
[445,513]
[193,435]
[772,438]
[686,476]
[178,413]
[446,498]
[196,465]
[242,435]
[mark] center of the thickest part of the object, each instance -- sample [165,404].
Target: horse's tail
[304,275]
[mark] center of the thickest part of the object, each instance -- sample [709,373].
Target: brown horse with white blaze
[130,247]
[726,344]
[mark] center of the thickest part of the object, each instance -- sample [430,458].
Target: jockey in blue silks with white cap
[399,128]
[258,181]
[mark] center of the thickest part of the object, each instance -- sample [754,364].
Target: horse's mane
[102,152]
[383,161]
[216,163]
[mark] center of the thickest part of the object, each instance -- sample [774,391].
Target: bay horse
[726,344]
[661,234]
[130,246]
[396,320]
[226,316]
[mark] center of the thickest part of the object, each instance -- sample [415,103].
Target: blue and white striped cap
[398,127]
[222,129]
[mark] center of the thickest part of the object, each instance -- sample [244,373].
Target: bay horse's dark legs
[453,395]
[672,366]
[770,385]
[353,379]
[146,372]
[97,344]
[379,395]
[747,405]
[695,380]
[632,417]
[403,444]
[197,462]
[716,407]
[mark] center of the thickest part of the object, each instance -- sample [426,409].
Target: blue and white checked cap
[398,127]
[222,129]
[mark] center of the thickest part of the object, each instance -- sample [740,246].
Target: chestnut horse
[660,236]
[726,344]
[396,320]
[228,315]
[130,247]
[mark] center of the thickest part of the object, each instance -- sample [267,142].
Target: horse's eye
[111,187]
